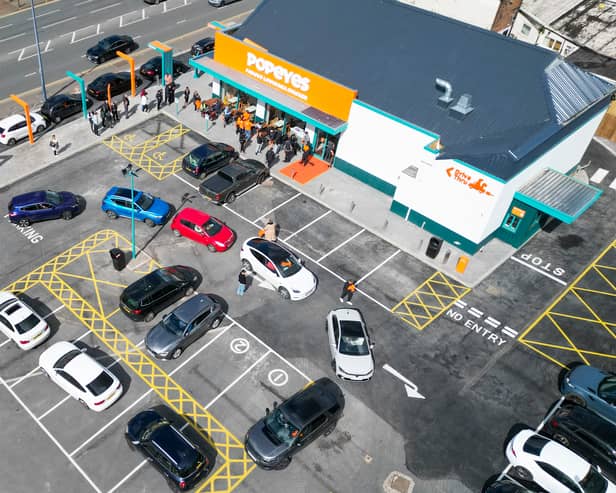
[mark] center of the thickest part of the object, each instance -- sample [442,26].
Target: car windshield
[279,427]
[100,383]
[593,482]
[607,389]
[174,324]
[145,201]
[27,324]
[352,339]
[212,227]
[167,276]
[193,160]
[287,264]
[147,433]
[53,197]
[105,44]
[66,359]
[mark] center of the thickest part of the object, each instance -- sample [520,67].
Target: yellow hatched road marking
[429,300]
[237,465]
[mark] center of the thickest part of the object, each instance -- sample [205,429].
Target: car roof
[11,120]
[14,309]
[113,37]
[174,445]
[589,421]
[28,198]
[310,402]
[204,149]
[204,41]
[194,215]
[348,314]
[146,284]
[268,248]
[84,368]
[122,192]
[191,307]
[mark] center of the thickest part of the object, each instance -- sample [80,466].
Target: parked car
[15,127]
[313,411]
[153,68]
[220,3]
[587,434]
[207,158]
[553,467]
[106,48]
[232,179]
[80,375]
[20,323]
[157,290]
[591,387]
[279,267]
[506,486]
[204,229]
[119,82]
[61,106]
[183,326]
[202,46]
[349,344]
[31,207]
[168,447]
[147,208]
[153,2]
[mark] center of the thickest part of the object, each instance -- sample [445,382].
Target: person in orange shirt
[348,290]
[239,125]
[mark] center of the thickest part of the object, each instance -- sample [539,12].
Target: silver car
[183,326]
[349,344]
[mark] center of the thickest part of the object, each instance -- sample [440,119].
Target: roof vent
[446,86]
[463,106]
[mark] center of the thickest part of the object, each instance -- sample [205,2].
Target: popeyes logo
[465,179]
[270,70]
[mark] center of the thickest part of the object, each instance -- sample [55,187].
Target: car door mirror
[372,345]
[83,349]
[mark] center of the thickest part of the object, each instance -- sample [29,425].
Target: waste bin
[118,258]
[434,246]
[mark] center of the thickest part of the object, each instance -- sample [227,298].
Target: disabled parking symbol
[239,345]
[278,377]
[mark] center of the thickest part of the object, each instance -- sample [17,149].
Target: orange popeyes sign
[308,87]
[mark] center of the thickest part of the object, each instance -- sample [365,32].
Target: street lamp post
[38,52]
[129,171]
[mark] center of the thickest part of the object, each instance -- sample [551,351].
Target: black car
[61,106]
[106,48]
[152,293]
[220,3]
[232,179]
[208,158]
[120,82]
[41,205]
[154,67]
[506,486]
[202,46]
[298,421]
[169,449]
[587,434]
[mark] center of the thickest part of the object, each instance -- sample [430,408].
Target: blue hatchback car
[149,209]
[593,388]
[42,205]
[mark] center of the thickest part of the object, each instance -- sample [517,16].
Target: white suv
[15,127]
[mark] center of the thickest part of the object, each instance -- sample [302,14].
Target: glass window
[512,223]
[279,428]
[28,324]
[5,322]
[100,383]
[145,201]
[212,227]
[353,341]
[535,444]
[174,324]
[607,389]
[559,476]
[70,380]
[525,29]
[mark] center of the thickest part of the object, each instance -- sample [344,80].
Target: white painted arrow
[411,388]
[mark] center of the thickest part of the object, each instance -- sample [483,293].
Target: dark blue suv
[42,205]
[149,209]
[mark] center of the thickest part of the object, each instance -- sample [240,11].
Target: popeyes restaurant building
[464,145]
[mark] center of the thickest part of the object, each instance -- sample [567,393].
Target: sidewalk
[346,196]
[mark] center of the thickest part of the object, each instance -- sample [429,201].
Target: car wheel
[284,293]
[522,473]
[202,175]
[149,317]
[24,222]
[188,291]
[130,444]
[150,223]
[11,141]
[216,323]
[329,429]
[83,403]
[576,399]
[211,248]
[177,353]
[246,265]
[57,119]
[260,179]
[283,464]
[40,128]
[176,232]
[67,215]
[230,198]
[561,439]
[111,214]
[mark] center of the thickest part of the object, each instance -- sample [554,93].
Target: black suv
[587,434]
[60,106]
[207,158]
[202,46]
[301,419]
[152,293]
[169,449]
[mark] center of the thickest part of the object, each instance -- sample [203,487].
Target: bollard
[446,257]
[462,264]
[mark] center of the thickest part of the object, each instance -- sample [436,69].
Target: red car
[203,228]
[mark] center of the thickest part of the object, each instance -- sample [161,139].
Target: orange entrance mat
[303,174]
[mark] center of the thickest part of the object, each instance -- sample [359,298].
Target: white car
[20,323]
[553,467]
[279,267]
[15,128]
[84,378]
[349,344]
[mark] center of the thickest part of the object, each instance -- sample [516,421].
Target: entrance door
[325,147]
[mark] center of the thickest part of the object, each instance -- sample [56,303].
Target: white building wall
[481,13]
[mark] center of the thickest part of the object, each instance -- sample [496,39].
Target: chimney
[462,107]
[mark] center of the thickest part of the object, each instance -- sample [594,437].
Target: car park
[20,323]
[118,82]
[349,344]
[302,418]
[279,267]
[122,202]
[208,158]
[202,46]
[552,466]
[170,450]
[586,433]
[591,387]
[152,69]
[106,48]
[232,179]
[147,296]
[80,375]
[203,228]
[42,205]
[183,326]
[61,106]
[15,128]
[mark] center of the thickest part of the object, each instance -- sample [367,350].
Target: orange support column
[26,108]
[131,64]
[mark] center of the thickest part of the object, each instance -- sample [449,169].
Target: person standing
[197,101]
[243,141]
[227,115]
[126,104]
[241,283]
[270,155]
[53,143]
[114,111]
[186,96]
[348,290]
[145,104]
[260,140]
[96,122]
[159,99]
[91,121]
[306,153]
[269,231]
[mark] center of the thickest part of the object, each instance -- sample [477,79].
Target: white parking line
[105,7]
[242,375]
[194,187]
[342,244]
[56,310]
[278,206]
[51,437]
[127,477]
[84,2]
[307,225]
[38,16]
[12,37]
[532,267]
[377,267]
[5,342]
[58,22]
[5,26]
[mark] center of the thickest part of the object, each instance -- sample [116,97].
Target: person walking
[348,290]
[126,104]
[227,115]
[53,143]
[197,101]
[270,155]
[186,96]
[269,231]
[159,99]
[261,140]
[241,283]
[91,121]
[145,104]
